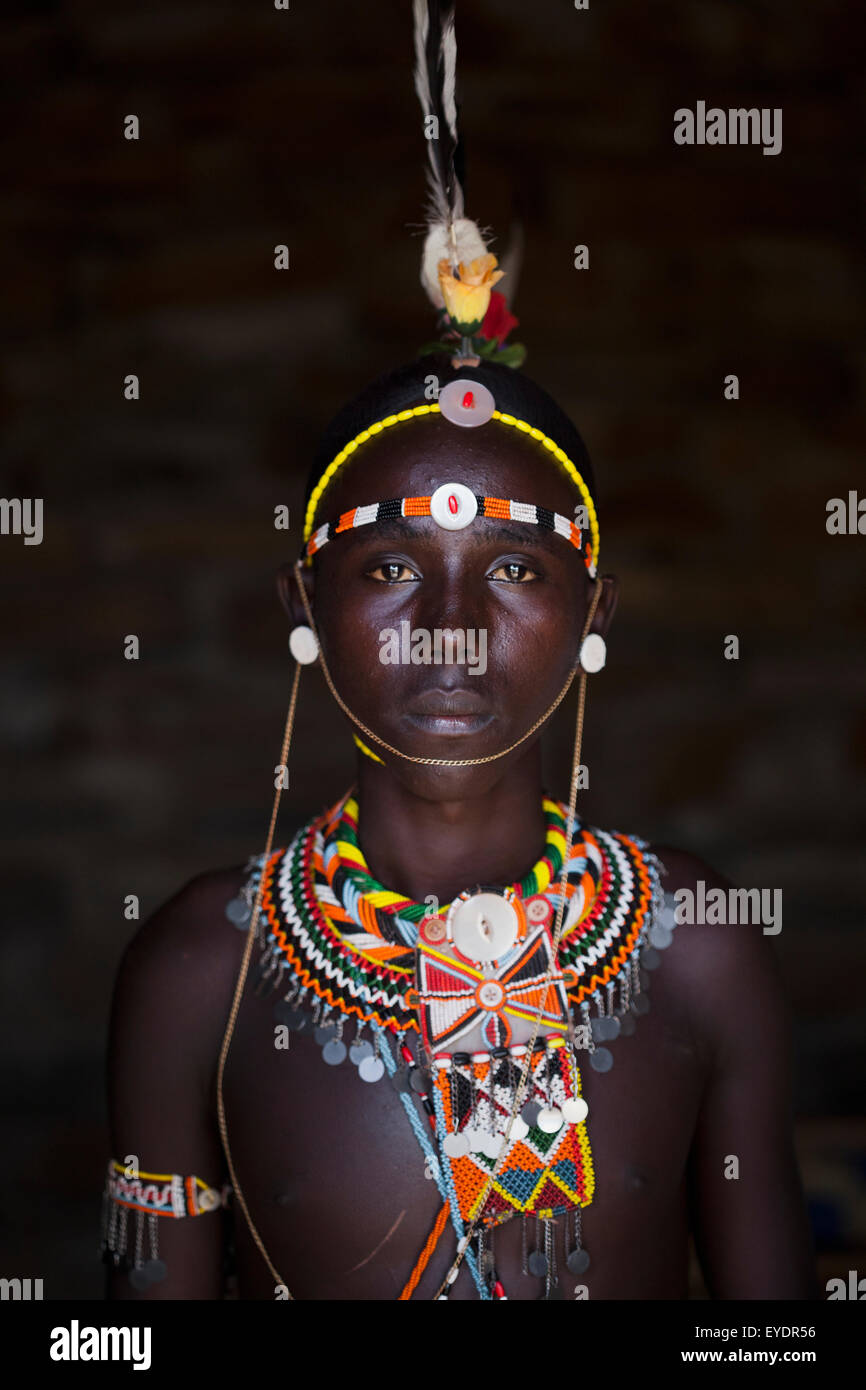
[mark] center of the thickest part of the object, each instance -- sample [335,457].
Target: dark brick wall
[156,258]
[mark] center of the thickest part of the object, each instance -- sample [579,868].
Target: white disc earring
[593,653]
[303,645]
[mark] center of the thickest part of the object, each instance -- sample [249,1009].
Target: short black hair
[403,387]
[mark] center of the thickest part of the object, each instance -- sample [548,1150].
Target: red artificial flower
[498,322]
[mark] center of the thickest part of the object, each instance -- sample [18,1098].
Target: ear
[287,588]
[606,604]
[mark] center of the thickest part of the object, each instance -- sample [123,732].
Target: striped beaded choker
[393,916]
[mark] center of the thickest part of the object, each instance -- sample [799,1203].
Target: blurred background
[155,257]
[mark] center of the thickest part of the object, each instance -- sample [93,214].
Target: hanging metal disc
[239,912]
[334,1052]
[601,1059]
[455,1145]
[371,1069]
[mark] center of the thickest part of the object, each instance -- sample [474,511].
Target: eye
[392,572]
[513,572]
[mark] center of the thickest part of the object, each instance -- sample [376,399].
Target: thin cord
[428,762]
[239,987]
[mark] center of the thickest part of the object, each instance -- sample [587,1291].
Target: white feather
[459,241]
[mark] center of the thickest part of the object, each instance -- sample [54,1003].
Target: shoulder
[177,973]
[191,926]
[721,961]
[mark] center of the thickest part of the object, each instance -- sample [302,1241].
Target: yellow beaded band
[410,414]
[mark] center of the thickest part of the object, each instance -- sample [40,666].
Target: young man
[688,1131]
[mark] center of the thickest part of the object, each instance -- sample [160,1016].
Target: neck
[421,847]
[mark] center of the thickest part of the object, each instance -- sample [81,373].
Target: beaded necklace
[339,948]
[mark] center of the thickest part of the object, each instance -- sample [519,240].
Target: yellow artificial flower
[467,298]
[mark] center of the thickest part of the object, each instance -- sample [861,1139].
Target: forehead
[414,457]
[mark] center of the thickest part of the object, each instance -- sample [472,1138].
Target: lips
[440,711]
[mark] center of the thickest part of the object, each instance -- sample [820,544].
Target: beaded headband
[453,505]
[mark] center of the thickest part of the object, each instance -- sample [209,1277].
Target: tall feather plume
[451,235]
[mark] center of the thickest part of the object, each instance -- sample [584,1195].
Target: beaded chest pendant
[470,980]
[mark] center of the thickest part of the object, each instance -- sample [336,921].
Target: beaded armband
[149,1196]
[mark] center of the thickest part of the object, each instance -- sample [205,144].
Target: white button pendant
[520,1128]
[483,927]
[575,1110]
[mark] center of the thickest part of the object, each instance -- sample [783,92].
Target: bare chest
[341,1193]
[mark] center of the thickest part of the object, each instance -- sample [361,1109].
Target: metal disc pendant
[519,1128]
[303,1021]
[613,1028]
[400,1081]
[239,912]
[640,1004]
[555,1295]
[155,1270]
[574,1110]
[324,1033]
[550,1120]
[537,1264]
[334,1052]
[601,1059]
[359,1050]
[578,1262]
[650,958]
[529,1113]
[418,1081]
[474,1138]
[139,1279]
[627,1025]
[455,1145]
[661,936]
[371,1069]
[491,1144]
[290,1015]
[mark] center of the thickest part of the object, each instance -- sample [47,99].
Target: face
[517,593]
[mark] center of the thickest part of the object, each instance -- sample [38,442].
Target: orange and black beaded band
[498,507]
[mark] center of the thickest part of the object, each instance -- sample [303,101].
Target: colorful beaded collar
[333,949]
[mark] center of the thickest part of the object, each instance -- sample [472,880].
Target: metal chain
[435,762]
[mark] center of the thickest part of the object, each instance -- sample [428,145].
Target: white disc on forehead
[466,402]
[453,506]
[484,926]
